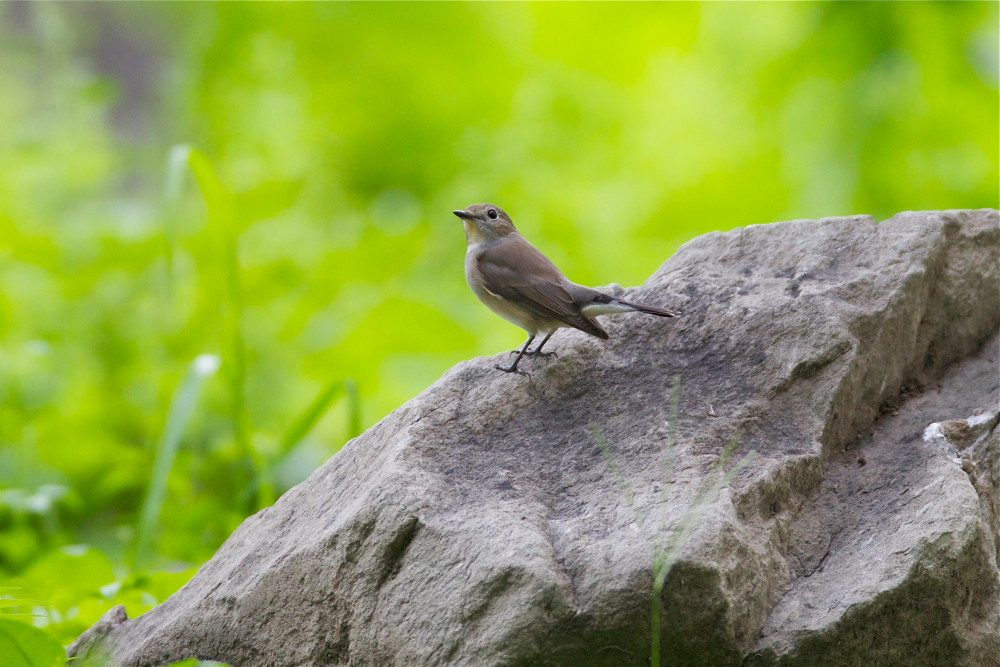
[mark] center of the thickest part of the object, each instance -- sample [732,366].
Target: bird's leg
[538,350]
[513,367]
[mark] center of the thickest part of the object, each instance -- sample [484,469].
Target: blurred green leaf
[22,645]
[47,578]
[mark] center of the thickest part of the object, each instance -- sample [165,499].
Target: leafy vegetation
[271,186]
[667,543]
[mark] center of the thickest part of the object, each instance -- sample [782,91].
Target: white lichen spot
[933,435]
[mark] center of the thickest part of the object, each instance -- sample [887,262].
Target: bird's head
[485,223]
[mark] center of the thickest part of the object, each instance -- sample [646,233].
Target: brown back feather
[518,271]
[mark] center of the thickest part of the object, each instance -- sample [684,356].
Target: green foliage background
[339,137]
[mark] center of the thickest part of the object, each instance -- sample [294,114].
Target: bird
[517,282]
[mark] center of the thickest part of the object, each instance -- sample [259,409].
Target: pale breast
[508,310]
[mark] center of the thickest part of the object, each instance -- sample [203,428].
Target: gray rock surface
[503,520]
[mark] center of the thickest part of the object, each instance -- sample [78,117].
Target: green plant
[667,552]
[22,645]
[222,221]
[181,409]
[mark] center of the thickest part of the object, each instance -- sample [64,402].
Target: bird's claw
[511,369]
[532,353]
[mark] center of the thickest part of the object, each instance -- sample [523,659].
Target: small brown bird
[520,284]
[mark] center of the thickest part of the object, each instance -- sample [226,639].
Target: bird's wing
[519,272]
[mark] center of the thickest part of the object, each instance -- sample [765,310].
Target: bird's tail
[652,310]
[601,304]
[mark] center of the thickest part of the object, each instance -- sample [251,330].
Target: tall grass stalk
[353,408]
[181,408]
[305,422]
[665,555]
[222,220]
[173,188]
[668,454]
[616,468]
[709,489]
[659,561]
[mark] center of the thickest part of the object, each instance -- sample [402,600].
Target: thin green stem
[182,407]
[665,555]
[609,456]
[221,218]
[177,164]
[353,408]
[305,423]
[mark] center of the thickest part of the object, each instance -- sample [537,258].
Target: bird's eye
[492,214]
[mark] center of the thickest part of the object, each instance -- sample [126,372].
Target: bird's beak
[463,214]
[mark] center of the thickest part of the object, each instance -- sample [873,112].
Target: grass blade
[711,485]
[305,423]
[668,455]
[177,164]
[665,556]
[353,408]
[659,564]
[222,220]
[181,408]
[619,474]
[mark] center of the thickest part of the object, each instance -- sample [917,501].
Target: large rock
[504,520]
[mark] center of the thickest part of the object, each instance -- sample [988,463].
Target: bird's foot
[512,369]
[535,353]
